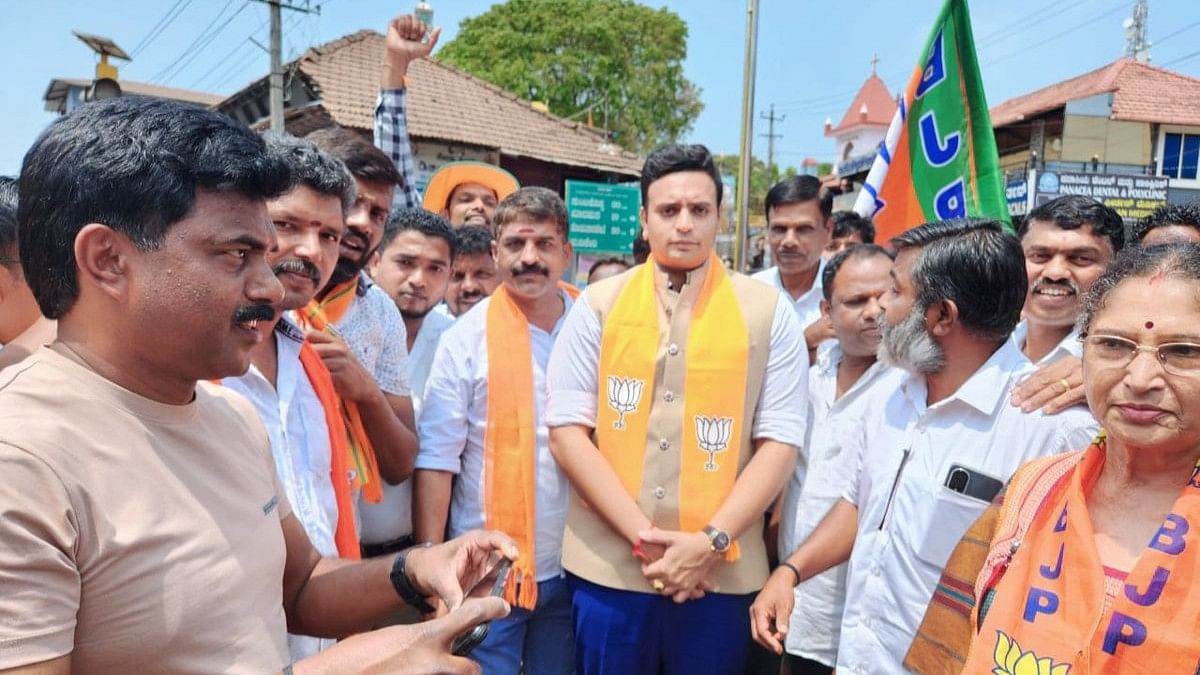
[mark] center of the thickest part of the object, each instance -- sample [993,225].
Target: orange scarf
[713,406]
[345,536]
[510,439]
[1049,613]
[321,316]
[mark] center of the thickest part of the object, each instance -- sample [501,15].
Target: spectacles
[10,261]
[1177,358]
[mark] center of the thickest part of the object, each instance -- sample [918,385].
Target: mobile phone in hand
[463,644]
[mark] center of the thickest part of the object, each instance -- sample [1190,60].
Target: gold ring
[1066,386]
[658,585]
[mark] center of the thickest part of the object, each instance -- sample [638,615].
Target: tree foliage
[760,179]
[614,58]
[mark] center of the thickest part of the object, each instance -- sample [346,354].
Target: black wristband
[404,587]
[784,563]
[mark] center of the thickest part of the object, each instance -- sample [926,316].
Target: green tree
[760,180]
[616,59]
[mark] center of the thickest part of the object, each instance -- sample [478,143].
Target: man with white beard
[937,451]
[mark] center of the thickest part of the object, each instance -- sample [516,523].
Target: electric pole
[1137,42]
[276,50]
[745,144]
[771,136]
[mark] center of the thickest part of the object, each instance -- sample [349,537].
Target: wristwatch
[404,587]
[717,539]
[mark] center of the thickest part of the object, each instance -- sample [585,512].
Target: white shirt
[454,419]
[815,487]
[904,540]
[1069,346]
[575,368]
[374,330]
[295,422]
[808,305]
[391,518]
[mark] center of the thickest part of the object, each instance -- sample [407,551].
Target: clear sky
[813,56]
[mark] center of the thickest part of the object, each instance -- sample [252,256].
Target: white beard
[910,346]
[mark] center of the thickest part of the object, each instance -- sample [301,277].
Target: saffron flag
[939,157]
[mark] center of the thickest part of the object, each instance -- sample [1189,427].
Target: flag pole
[745,149]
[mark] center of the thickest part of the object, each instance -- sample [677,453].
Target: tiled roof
[1141,93]
[881,106]
[447,104]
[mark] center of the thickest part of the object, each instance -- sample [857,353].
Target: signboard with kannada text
[1132,197]
[603,216]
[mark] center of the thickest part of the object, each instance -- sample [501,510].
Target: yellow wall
[1113,141]
[1020,158]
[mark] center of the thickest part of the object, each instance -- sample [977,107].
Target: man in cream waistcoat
[677,393]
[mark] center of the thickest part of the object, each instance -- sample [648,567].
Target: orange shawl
[713,408]
[510,439]
[345,536]
[1050,615]
[321,316]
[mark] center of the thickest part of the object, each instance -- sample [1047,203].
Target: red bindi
[1149,325]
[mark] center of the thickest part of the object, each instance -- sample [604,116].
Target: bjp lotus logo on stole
[1010,660]
[713,435]
[624,395]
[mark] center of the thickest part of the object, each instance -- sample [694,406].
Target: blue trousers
[540,642]
[630,633]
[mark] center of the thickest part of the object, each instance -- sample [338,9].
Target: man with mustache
[144,528]
[484,449]
[798,230]
[677,407]
[464,193]
[473,275]
[845,377]
[934,451]
[286,379]
[413,268]
[1068,242]
[357,329]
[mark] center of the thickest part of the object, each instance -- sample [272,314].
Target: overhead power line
[159,27]
[202,41]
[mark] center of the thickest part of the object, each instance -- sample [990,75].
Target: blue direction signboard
[603,216]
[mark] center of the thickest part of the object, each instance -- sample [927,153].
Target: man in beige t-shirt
[142,529]
[133,502]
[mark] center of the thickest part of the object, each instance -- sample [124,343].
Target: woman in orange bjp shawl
[1096,571]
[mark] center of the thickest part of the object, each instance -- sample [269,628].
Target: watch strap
[404,587]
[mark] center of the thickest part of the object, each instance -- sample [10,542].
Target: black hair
[670,159]
[135,165]
[1171,214]
[797,190]
[8,216]
[1178,260]
[313,168]
[974,263]
[1074,211]
[641,248]
[363,159]
[473,240]
[533,203]
[606,261]
[846,223]
[426,222]
[835,263]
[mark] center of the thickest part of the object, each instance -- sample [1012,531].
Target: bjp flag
[939,157]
